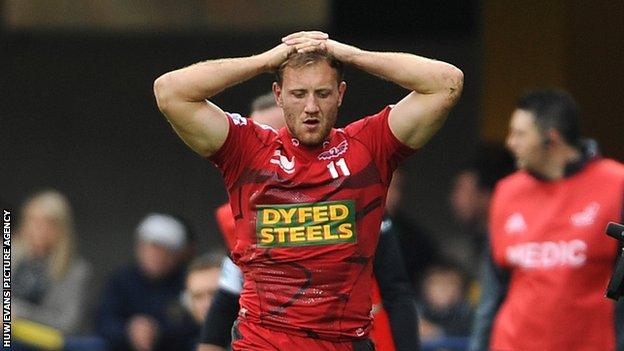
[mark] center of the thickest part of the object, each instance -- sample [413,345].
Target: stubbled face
[310,97]
[201,286]
[525,141]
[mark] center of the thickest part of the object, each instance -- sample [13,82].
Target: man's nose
[311,106]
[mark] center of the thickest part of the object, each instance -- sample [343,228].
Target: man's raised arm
[435,86]
[182,95]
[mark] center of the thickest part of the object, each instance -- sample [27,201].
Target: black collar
[589,152]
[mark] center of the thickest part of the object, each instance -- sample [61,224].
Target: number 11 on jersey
[343,168]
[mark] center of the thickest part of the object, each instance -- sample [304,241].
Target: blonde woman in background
[49,280]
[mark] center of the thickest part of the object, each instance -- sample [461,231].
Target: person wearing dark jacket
[419,250]
[141,305]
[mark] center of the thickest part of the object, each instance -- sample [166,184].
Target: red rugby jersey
[550,235]
[307,222]
[381,332]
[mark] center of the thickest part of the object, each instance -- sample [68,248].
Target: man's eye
[299,95]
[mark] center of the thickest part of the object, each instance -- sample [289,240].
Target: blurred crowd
[160,301]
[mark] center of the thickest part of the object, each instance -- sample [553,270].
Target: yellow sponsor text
[306,224]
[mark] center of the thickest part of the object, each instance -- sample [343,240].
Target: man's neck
[554,167]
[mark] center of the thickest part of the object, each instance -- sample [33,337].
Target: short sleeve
[240,144]
[374,132]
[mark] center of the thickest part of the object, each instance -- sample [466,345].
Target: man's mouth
[311,122]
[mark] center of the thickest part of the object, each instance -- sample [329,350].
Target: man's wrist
[257,64]
[270,60]
[261,62]
[345,53]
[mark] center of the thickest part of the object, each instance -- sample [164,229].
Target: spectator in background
[471,194]
[50,280]
[202,282]
[444,309]
[550,260]
[264,110]
[419,250]
[141,307]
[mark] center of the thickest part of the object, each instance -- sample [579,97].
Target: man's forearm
[415,73]
[203,80]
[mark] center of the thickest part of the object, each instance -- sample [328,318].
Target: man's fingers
[309,34]
[299,41]
[310,46]
[306,41]
[306,34]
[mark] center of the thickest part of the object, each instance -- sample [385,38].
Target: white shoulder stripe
[265,126]
[237,119]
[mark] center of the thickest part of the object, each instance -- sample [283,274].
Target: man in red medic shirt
[307,199]
[550,261]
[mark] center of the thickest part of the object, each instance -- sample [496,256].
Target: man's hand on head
[276,56]
[306,41]
[340,51]
[296,42]
[314,40]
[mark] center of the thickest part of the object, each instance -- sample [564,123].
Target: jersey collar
[288,139]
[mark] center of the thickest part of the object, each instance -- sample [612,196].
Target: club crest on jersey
[320,223]
[334,151]
[285,164]
[515,224]
[587,216]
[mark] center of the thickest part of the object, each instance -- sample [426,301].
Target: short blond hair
[300,59]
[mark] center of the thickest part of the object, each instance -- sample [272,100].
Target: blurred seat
[31,336]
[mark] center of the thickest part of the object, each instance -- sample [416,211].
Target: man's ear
[551,137]
[277,92]
[342,87]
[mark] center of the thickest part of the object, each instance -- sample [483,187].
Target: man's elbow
[453,83]
[163,91]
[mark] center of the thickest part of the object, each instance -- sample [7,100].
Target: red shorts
[252,337]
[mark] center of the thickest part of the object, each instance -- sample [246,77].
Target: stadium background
[78,113]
